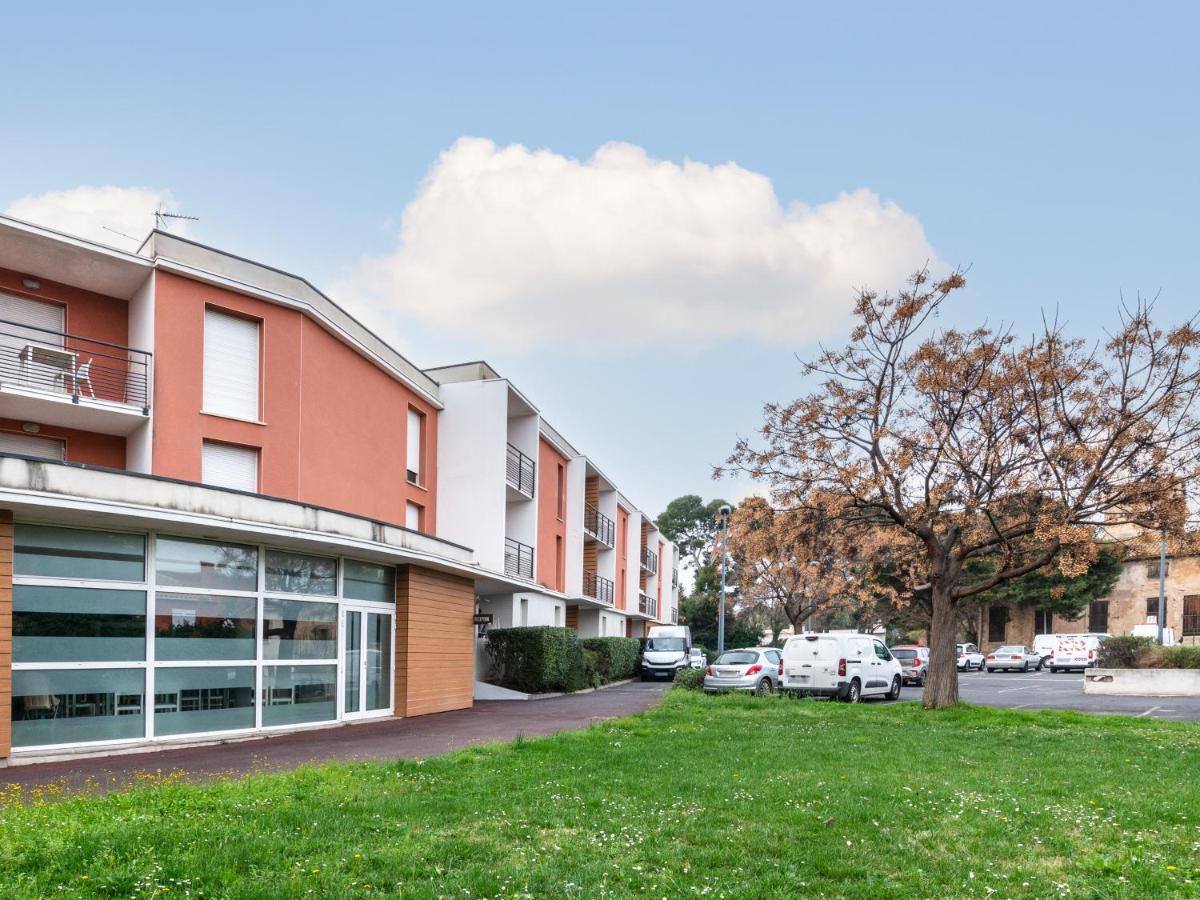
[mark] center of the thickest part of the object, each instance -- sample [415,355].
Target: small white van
[1076,651]
[846,666]
[666,652]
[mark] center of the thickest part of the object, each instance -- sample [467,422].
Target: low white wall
[1143,682]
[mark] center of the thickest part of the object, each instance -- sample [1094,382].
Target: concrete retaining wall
[1143,682]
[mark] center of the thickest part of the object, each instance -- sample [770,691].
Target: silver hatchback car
[753,669]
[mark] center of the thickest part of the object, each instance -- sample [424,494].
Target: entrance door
[366,663]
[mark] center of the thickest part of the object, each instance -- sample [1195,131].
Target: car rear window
[736,658]
[904,654]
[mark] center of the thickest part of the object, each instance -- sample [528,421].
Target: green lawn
[724,796]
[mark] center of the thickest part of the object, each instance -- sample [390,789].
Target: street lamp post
[1162,584]
[724,562]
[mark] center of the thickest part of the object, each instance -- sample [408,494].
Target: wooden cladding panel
[435,641]
[591,491]
[573,617]
[6,559]
[589,556]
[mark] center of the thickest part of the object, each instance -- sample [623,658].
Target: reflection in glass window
[205,564]
[367,581]
[204,626]
[77,705]
[208,698]
[53,552]
[298,573]
[61,624]
[299,629]
[293,694]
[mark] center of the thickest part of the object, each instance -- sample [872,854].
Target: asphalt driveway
[413,738]
[1045,690]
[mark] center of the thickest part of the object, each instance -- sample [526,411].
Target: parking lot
[1044,690]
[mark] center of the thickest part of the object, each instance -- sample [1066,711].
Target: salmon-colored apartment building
[227,508]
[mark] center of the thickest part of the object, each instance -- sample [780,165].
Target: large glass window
[52,552]
[299,573]
[204,698]
[367,581]
[294,694]
[206,564]
[68,624]
[77,705]
[204,626]
[299,629]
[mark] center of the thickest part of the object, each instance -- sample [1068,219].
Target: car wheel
[894,693]
[1025,667]
[762,688]
[854,693]
[990,670]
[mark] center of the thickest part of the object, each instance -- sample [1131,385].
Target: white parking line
[1147,712]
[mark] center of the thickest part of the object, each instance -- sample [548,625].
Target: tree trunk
[941,687]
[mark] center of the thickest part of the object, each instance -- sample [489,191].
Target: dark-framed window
[1191,614]
[1043,621]
[1098,616]
[1152,569]
[1152,609]
[997,622]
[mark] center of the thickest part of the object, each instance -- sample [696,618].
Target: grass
[703,796]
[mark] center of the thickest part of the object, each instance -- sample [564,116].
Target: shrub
[616,657]
[538,659]
[1124,652]
[1180,658]
[591,668]
[689,679]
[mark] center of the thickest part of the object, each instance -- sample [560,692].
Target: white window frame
[258,663]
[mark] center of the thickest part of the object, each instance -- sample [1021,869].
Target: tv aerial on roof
[163,219]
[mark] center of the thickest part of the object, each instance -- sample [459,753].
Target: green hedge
[616,657]
[689,679]
[1127,652]
[537,660]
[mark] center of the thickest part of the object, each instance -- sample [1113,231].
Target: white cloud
[531,248]
[85,211]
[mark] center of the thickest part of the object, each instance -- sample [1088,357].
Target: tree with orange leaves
[946,446]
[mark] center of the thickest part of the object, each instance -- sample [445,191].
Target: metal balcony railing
[674,615]
[518,559]
[675,579]
[598,587]
[520,472]
[649,560]
[598,526]
[56,362]
[647,605]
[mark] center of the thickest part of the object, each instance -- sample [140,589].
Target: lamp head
[725,511]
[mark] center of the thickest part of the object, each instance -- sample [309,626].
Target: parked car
[846,666]
[914,661]
[667,650]
[1076,652]
[969,658]
[1014,656]
[753,669]
[696,658]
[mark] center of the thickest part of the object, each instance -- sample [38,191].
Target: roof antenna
[160,219]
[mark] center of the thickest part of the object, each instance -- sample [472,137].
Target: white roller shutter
[229,466]
[230,365]
[48,316]
[412,516]
[29,445]
[414,446]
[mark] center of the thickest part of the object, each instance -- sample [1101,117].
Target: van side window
[882,651]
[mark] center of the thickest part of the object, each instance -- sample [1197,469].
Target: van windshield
[665,643]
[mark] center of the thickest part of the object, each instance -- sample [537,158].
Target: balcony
[674,579]
[520,474]
[647,605]
[598,527]
[72,381]
[598,588]
[649,561]
[518,559]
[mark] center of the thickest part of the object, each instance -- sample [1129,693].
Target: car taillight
[991,656]
[708,671]
[841,667]
[1091,654]
[754,669]
[1015,656]
[781,668]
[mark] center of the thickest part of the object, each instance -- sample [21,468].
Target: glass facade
[121,637]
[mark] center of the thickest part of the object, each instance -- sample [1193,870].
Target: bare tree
[953,446]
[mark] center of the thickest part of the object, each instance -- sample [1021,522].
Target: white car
[969,658]
[1014,657]
[696,658]
[847,666]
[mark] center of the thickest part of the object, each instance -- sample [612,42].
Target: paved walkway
[417,737]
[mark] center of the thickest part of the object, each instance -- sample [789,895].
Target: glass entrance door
[367,662]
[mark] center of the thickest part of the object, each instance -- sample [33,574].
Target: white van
[846,666]
[1044,644]
[1076,651]
[666,651]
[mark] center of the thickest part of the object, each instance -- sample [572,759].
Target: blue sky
[1052,148]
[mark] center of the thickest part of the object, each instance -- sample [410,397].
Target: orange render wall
[82,446]
[622,557]
[329,417]
[90,315]
[550,526]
